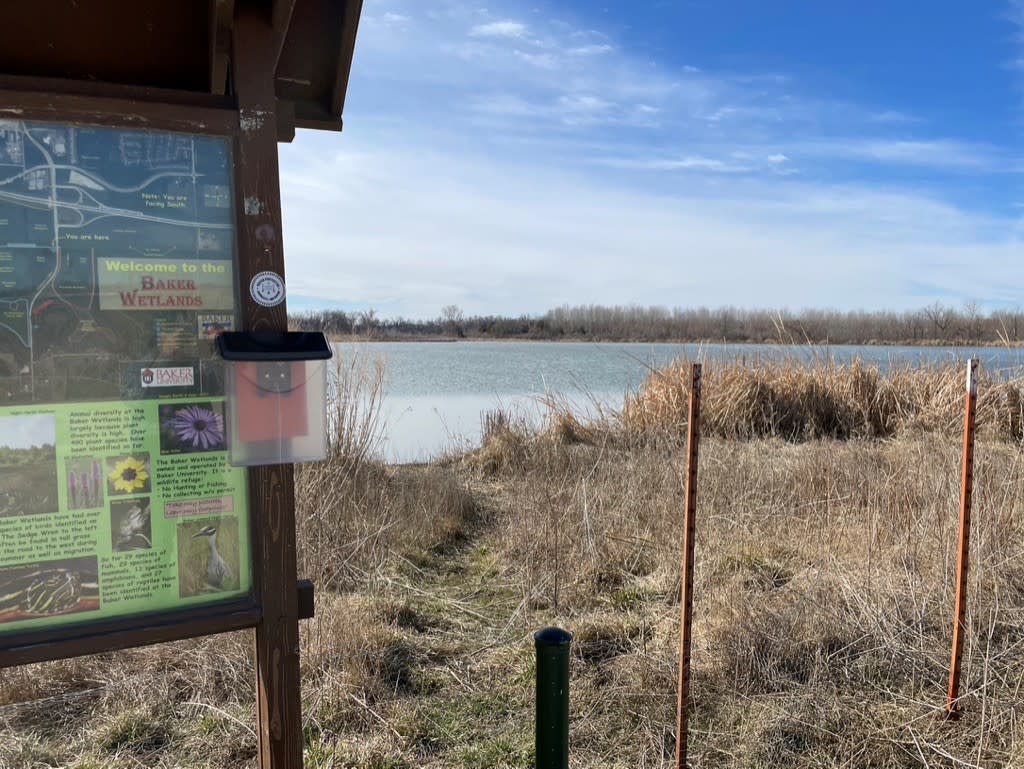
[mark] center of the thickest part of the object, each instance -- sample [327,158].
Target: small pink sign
[208,506]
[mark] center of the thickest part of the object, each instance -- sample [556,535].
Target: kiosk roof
[180,46]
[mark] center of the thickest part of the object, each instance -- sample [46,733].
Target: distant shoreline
[935,325]
[357,338]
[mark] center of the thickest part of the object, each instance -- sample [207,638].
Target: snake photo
[46,591]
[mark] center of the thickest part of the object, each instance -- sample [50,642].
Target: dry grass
[823,599]
[799,400]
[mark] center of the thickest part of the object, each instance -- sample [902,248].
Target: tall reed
[795,400]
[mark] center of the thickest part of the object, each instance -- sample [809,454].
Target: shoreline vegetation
[826,548]
[934,325]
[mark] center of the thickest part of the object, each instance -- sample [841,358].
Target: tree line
[30,456]
[936,323]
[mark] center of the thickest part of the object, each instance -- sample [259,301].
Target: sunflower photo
[28,464]
[192,427]
[129,474]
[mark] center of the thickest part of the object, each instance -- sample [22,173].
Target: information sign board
[116,274]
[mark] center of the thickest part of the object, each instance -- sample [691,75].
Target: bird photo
[130,527]
[208,556]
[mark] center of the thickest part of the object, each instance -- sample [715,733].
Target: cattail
[96,482]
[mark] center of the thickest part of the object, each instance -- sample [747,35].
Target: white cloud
[507,29]
[542,60]
[936,153]
[584,103]
[893,116]
[590,50]
[521,166]
[689,163]
[1016,14]
[24,431]
[422,229]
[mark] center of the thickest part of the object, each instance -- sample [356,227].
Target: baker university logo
[168,376]
[267,289]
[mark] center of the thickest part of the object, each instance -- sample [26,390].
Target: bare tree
[367,322]
[451,318]
[941,317]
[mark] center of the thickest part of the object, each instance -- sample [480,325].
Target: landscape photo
[28,464]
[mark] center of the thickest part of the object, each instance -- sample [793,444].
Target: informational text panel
[116,275]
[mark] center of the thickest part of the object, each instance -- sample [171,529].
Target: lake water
[437,391]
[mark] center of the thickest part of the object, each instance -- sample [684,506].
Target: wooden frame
[126,633]
[120,107]
[271,487]
[253,129]
[246,45]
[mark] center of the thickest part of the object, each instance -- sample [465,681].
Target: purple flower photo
[191,427]
[85,483]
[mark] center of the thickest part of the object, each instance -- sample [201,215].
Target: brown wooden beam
[93,638]
[100,89]
[222,16]
[271,488]
[281,18]
[353,11]
[318,120]
[285,121]
[104,104]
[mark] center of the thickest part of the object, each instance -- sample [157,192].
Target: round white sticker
[267,289]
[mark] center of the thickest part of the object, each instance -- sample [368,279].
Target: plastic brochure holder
[276,396]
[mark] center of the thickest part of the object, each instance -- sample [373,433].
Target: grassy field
[826,549]
[28,481]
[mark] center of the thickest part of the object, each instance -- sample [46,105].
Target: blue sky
[512,157]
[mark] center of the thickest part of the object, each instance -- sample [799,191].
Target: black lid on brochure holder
[273,345]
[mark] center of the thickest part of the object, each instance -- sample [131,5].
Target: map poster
[116,275]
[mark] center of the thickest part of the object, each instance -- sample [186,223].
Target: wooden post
[686,582]
[966,489]
[271,487]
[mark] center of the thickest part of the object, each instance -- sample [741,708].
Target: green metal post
[552,728]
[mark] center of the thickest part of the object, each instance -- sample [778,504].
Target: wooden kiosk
[139,216]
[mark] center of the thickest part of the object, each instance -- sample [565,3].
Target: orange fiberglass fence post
[966,489]
[686,582]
